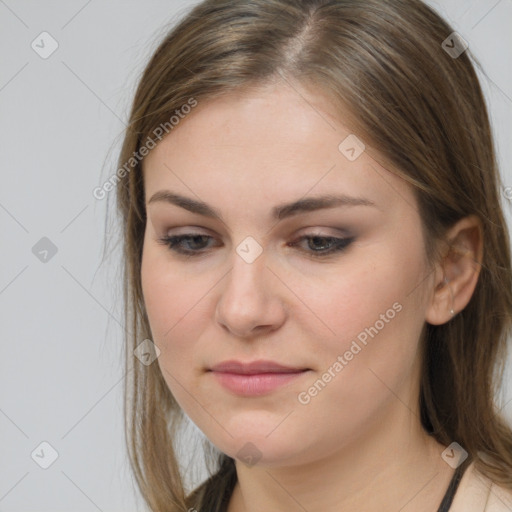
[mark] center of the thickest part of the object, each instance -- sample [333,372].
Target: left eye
[195,244]
[324,245]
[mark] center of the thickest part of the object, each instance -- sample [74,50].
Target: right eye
[195,242]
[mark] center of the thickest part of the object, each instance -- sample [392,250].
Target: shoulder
[477,493]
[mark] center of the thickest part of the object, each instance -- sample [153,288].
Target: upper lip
[254,367]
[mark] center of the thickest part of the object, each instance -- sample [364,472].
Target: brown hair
[418,109]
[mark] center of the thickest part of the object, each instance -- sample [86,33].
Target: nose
[250,303]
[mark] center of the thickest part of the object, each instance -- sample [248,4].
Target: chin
[257,447]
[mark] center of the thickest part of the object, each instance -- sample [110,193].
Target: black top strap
[452,488]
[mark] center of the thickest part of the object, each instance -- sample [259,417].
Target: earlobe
[457,274]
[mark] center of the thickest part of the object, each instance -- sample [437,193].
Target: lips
[255,378]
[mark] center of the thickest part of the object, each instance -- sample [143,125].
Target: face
[332,292]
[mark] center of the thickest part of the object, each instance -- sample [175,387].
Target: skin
[358,444]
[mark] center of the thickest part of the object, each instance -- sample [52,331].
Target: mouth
[255,378]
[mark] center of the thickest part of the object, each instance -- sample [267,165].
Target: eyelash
[339,244]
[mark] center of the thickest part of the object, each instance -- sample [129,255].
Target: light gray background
[61,364]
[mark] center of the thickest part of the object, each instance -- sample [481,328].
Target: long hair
[419,108]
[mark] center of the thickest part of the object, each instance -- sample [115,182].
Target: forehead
[268,144]
[264,120]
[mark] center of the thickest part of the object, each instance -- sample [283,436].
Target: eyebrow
[279,212]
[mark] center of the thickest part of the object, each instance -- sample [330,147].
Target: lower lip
[257,384]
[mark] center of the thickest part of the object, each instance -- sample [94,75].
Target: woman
[314,243]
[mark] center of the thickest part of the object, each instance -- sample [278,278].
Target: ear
[457,274]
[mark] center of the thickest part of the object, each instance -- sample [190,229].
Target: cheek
[367,325]
[178,308]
